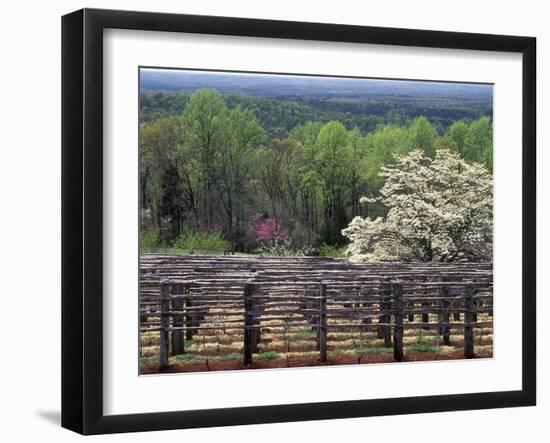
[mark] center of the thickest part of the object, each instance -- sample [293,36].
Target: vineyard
[203,313]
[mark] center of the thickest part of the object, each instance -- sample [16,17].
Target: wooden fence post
[384,331]
[190,316]
[398,327]
[411,314]
[475,303]
[257,331]
[457,304]
[315,321]
[164,325]
[178,344]
[248,323]
[380,329]
[468,320]
[317,329]
[425,316]
[368,319]
[323,322]
[445,315]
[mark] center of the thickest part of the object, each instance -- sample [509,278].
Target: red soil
[296,362]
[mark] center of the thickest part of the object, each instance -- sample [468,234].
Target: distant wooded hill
[282,102]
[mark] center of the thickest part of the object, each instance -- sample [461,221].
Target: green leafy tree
[280,176]
[242,135]
[478,143]
[309,182]
[422,136]
[357,169]
[307,134]
[158,139]
[187,187]
[332,164]
[205,116]
[381,147]
[457,134]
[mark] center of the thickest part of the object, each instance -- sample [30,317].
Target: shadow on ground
[54,417]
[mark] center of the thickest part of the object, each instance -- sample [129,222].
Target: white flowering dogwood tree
[439,209]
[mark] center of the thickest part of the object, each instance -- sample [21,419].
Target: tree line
[214,168]
[279,115]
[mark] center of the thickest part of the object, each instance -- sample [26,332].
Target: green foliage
[270,355]
[148,360]
[202,243]
[457,134]
[280,115]
[149,240]
[382,145]
[478,143]
[210,162]
[306,134]
[473,141]
[332,163]
[186,357]
[157,142]
[423,135]
[359,352]
[232,356]
[420,347]
[326,250]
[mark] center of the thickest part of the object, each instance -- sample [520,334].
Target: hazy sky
[175,79]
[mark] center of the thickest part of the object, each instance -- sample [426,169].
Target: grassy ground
[180,251]
[223,349]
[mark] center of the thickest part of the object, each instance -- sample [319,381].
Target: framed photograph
[269,221]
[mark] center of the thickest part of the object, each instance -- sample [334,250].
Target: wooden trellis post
[256,335]
[164,325]
[468,321]
[323,322]
[315,321]
[384,331]
[445,315]
[475,304]
[457,305]
[248,323]
[189,317]
[410,317]
[367,294]
[257,331]
[398,326]
[178,343]
[380,329]
[425,311]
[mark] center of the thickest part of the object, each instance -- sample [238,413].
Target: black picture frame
[82,215]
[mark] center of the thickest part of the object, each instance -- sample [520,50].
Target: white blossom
[440,209]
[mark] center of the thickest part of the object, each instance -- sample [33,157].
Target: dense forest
[279,115]
[285,174]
